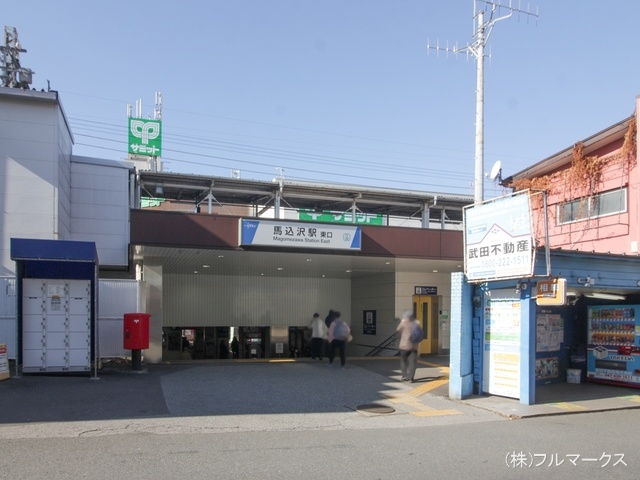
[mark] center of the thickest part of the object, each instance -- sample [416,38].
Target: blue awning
[25,249]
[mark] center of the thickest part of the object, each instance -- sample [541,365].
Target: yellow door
[426,311]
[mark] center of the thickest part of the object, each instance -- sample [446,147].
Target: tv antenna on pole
[12,74]
[496,11]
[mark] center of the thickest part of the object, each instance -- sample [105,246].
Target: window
[600,205]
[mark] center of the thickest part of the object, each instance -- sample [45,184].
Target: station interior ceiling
[286,264]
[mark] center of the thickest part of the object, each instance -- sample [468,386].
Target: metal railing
[387,344]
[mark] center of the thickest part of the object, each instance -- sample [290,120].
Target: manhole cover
[373,408]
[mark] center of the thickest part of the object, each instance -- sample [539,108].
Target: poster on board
[4,362]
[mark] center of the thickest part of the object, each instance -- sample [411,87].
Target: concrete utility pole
[483,30]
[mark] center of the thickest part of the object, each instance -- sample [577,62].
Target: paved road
[566,447]
[230,397]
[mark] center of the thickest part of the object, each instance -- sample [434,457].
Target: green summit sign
[340,217]
[145,137]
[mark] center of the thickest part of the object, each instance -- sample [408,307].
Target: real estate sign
[499,240]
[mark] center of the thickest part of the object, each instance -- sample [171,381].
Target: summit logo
[145,137]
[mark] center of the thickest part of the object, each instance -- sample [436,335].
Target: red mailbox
[136,331]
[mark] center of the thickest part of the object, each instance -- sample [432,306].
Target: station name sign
[274,233]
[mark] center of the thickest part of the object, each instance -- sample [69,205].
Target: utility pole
[483,29]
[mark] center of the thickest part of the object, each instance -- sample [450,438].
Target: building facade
[585,231]
[172,245]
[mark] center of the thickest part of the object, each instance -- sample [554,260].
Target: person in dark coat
[234,347]
[328,321]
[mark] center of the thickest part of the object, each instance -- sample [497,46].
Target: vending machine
[613,351]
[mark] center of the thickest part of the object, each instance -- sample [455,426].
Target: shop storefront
[589,332]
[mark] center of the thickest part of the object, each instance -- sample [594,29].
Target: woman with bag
[408,347]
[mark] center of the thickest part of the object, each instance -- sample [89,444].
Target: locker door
[79,324]
[56,325]
[33,326]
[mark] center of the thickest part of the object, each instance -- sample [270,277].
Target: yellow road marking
[442,368]
[567,406]
[421,410]
[631,398]
[427,387]
[435,413]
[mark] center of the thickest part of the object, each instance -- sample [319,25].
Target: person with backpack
[411,335]
[339,335]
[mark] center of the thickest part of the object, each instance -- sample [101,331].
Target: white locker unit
[56,325]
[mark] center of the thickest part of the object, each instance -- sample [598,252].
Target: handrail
[384,345]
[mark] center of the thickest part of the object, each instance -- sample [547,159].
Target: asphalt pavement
[239,395]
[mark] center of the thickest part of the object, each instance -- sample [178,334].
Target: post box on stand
[136,336]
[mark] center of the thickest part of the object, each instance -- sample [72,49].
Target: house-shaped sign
[499,240]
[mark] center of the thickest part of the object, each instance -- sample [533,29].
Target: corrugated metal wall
[8,315]
[210,300]
[116,297]
[100,209]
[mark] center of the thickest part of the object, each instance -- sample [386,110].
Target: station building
[209,258]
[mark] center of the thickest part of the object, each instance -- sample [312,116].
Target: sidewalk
[306,390]
[551,399]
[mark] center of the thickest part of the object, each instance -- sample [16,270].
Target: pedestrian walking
[338,337]
[327,321]
[318,336]
[235,347]
[330,318]
[410,336]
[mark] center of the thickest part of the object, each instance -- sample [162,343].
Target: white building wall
[35,146]
[377,293]
[100,207]
[63,179]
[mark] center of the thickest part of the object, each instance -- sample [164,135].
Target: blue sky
[340,91]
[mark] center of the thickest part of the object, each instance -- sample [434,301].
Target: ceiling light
[348,271]
[280,269]
[605,296]
[435,271]
[206,266]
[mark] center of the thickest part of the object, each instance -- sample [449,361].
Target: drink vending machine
[613,351]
